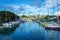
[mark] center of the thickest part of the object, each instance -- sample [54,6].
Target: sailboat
[52,25]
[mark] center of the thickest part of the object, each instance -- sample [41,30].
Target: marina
[31,31]
[29,19]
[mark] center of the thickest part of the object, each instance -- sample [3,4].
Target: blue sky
[18,2]
[42,7]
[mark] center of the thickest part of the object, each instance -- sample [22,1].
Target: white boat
[7,25]
[53,26]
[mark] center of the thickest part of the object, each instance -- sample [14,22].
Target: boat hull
[53,28]
[8,30]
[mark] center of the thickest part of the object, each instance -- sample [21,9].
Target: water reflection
[32,31]
[7,31]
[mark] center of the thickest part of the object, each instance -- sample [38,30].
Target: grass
[44,23]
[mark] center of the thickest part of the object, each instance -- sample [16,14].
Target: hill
[6,16]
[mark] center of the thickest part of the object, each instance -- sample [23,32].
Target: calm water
[31,31]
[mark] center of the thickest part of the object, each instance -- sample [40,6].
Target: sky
[42,7]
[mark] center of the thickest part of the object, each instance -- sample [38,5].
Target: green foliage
[24,16]
[47,17]
[44,23]
[6,16]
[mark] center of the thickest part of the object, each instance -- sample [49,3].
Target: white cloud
[43,10]
[15,7]
[30,10]
[51,3]
[57,13]
[48,6]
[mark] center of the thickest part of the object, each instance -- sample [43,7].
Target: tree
[6,16]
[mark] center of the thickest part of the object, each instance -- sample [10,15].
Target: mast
[53,9]
[48,14]
[57,15]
